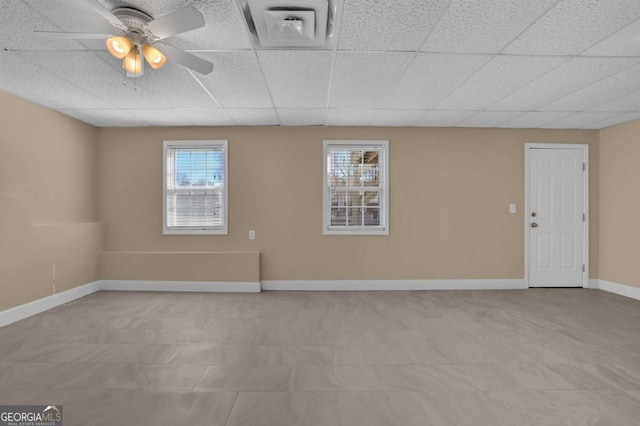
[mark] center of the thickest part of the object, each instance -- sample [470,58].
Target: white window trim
[384,189]
[197,144]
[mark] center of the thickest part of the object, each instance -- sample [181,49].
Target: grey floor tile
[372,355]
[434,377]
[133,376]
[532,357]
[285,408]
[293,355]
[180,408]
[213,355]
[581,407]
[245,378]
[337,378]
[366,408]
[316,338]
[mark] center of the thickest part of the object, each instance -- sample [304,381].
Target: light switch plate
[512,208]
[252,234]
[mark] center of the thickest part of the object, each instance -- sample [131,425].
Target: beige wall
[48,202]
[450,191]
[65,186]
[620,203]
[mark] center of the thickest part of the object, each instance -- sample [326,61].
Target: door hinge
[583,268]
[584,217]
[584,166]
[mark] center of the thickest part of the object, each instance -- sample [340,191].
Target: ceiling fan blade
[79,36]
[187,59]
[106,14]
[182,20]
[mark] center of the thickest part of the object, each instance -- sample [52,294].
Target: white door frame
[585,224]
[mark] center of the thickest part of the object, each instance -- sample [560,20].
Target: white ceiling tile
[30,41]
[483,26]
[79,115]
[115,117]
[44,84]
[497,79]
[297,78]
[489,118]
[563,80]
[618,85]
[534,119]
[302,117]
[18,16]
[625,103]
[388,25]
[208,117]
[533,84]
[236,80]
[574,25]
[254,116]
[395,117]
[163,117]
[349,117]
[363,79]
[442,118]
[618,119]
[431,77]
[98,73]
[625,42]
[21,92]
[18,21]
[176,87]
[579,119]
[72,16]
[224,29]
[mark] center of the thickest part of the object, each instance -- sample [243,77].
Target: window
[195,187]
[356,187]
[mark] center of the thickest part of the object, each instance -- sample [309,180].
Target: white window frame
[382,229]
[199,144]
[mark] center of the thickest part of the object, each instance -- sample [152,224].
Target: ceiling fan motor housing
[137,21]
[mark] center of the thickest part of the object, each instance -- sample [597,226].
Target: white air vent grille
[291,23]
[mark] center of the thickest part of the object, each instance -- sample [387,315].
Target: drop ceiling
[437,63]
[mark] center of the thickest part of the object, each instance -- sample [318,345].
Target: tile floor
[547,357]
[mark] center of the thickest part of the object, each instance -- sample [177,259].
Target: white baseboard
[621,289]
[20,312]
[369,285]
[37,306]
[190,286]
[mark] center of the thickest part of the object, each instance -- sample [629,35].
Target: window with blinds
[356,195]
[195,187]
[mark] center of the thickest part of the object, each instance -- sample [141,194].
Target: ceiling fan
[138,35]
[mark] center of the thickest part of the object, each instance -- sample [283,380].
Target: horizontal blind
[355,186]
[195,187]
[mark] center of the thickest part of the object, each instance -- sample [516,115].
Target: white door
[557,217]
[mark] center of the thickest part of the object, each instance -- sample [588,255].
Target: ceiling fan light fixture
[154,57]
[119,46]
[133,62]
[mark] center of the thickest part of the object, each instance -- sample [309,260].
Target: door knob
[534,225]
[533,214]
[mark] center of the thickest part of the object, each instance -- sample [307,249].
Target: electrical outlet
[252,234]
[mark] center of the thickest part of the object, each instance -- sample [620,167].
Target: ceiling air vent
[276,24]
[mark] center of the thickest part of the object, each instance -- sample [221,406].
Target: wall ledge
[620,289]
[400,285]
